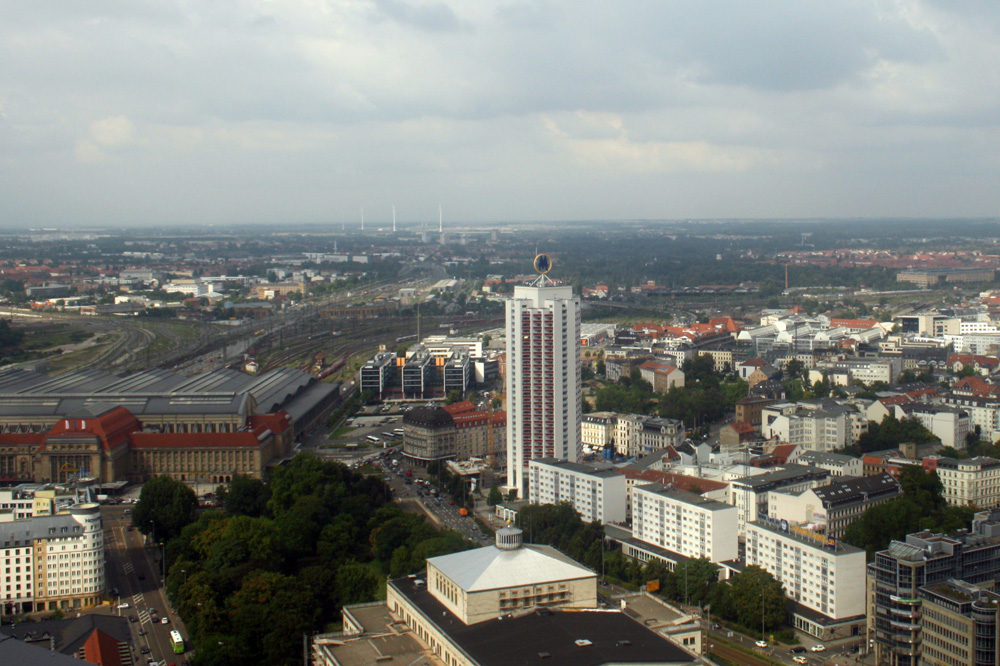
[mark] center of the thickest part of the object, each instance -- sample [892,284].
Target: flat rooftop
[559,637]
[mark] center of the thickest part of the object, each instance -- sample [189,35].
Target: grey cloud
[430,16]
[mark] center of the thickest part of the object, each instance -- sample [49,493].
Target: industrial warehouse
[203,429]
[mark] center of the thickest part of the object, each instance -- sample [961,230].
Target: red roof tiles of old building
[112,428]
[782,452]
[206,440]
[102,649]
[678,481]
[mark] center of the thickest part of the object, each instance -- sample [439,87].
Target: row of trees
[283,558]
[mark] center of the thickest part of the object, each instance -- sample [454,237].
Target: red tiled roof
[742,427]
[782,451]
[22,438]
[277,422]
[852,323]
[755,362]
[656,366]
[678,481]
[112,428]
[101,649]
[459,407]
[206,440]
[973,360]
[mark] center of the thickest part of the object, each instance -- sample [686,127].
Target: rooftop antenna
[440,220]
[394,219]
[362,218]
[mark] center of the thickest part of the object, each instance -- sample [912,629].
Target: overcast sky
[225,111]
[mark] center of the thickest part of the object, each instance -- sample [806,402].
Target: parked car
[761,644]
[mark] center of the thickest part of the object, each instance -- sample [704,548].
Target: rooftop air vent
[582,642]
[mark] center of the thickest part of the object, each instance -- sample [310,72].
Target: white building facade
[543,378]
[824,575]
[597,492]
[53,562]
[971,482]
[684,523]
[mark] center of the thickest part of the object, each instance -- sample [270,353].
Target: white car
[761,644]
[799,659]
[818,648]
[123,605]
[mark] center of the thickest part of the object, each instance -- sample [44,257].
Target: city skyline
[155,113]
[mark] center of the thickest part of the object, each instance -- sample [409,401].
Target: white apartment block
[637,435]
[984,413]
[975,342]
[864,370]
[971,482]
[813,428]
[543,378]
[597,492]
[53,562]
[824,575]
[684,523]
[190,287]
[835,463]
[597,429]
[949,424]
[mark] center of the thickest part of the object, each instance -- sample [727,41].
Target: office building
[543,377]
[897,574]
[961,624]
[597,492]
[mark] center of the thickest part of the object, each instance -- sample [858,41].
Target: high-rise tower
[543,375]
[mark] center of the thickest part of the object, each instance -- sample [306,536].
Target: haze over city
[189,113]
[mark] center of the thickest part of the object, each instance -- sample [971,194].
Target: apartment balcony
[913,601]
[911,614]
[904,625]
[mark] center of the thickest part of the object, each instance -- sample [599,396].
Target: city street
[134,570]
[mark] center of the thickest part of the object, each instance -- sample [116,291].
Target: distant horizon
[385,226]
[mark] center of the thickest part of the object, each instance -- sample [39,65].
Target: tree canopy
[288,557]
[164,508]
[921,507]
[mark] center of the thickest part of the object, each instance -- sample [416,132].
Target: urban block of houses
[830,508]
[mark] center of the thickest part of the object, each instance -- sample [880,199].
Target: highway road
[134,570]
